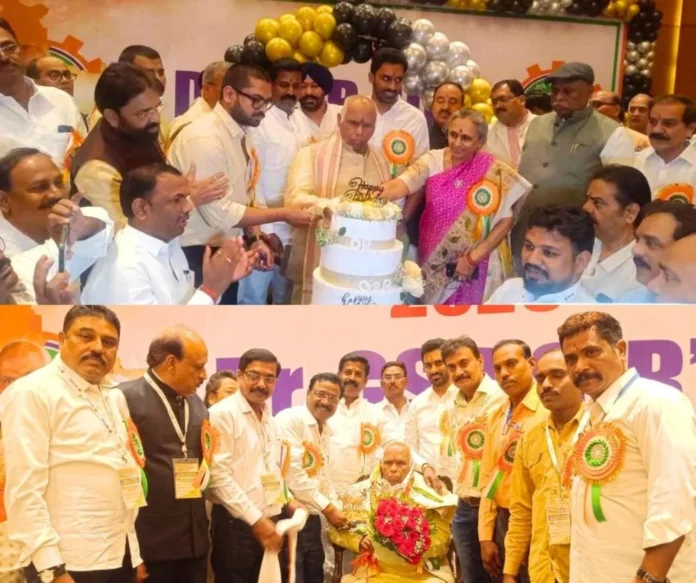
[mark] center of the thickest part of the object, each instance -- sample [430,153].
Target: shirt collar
[563,296]
[618,258]
[451,393]
[531,399]
[151,244]
[609,396]
[575,421]
[246,407]
[307,416]
[170,393]
[486,386]
[72,378]
[576,117]
[356,404]
[688,155]
[232,126]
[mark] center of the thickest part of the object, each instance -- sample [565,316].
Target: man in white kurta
[395,405]
[638,524]
[508,130]
[316,119]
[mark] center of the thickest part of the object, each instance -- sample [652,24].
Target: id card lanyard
[175,423]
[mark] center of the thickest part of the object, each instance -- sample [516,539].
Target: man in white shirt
[210,87]
[557,250]
[71,503]
[640,435]
[217,143]
[676,281]
[659,224]
[316,119]
[50,71]
[276,143]
[508,130]
[670,163]
[394,407]
[609,103]
[145,257]
[251,473]
[615,198]
[387,71]
[306,427]
[423,433]
[32,116]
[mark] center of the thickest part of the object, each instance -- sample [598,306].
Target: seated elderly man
[401,526]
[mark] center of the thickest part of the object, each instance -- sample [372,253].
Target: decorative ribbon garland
[472,439]
[399,148]
[598,458]
[135,446]
[505,461]
[370,440]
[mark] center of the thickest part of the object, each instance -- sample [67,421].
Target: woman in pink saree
[470,203]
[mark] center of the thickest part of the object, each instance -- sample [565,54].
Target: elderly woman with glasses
[470,203]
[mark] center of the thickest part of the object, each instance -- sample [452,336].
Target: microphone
[62,247]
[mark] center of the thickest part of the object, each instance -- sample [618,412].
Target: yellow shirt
[534,481]
[501,435]
[488,397]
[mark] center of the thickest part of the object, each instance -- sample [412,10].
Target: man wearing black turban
[316,119]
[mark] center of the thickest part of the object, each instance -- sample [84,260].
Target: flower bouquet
[403,527]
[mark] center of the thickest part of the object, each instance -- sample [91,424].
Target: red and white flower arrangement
[402,527]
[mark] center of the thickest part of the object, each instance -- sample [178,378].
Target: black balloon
[234,54]
[343,12]
[254,53]
[362,52]
[509,6]
[345,36]
[365,19]
[385,16]
[249,38]
[400,33]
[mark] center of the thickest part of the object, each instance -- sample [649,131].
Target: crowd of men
[217,206]
[563,466]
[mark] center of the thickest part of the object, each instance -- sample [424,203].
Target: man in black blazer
[169,418]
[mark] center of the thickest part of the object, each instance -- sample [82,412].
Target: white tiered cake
[360,257]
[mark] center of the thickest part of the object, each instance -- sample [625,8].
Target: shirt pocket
[536,466]
[54,144]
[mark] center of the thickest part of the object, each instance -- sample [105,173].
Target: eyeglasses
[255,377]
[9,48]
[257,102]
[504,99]
[395,378]
[58,75]
[326,397]
[598,104]
[145,113]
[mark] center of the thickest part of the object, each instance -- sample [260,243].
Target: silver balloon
[644,47]
[416,57]
[535,7]
[556,8]
[427,97]
[632,56]
[630,46]
[459,54]
[646,72]
[423,29]
[474,68]
[642,63]
[650,56]
[566,3]
[462,76]
[413,83]
[631,70]
[437,47]
[435,72]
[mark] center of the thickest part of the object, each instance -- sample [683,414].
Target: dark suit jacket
[168,529]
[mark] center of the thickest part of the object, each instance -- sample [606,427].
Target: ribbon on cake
[364,283]
[472,439]
[598,458]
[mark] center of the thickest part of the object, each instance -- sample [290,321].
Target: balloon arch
[351,31]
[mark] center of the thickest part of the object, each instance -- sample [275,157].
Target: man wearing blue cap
[316,118]
[564,148]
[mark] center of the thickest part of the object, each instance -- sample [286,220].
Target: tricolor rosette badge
[680,192]
[209,445]
[598,458]
[483,200]
[399,148]
[312,459]
[504,463]
[370,440]
[472,439]
[135,445]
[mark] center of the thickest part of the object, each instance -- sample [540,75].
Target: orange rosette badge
[484,198]
[312,459]
[370,440]
[680,192]
[399,148]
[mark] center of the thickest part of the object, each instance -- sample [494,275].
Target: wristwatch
[648,578]
[52,573]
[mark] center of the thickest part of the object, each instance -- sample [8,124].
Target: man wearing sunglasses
[219,142]
[31,115]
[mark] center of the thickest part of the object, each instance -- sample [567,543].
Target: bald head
[676,281]
[50,71]
[607,103]
[396,462]
[18,359]
[357,122]
[178,357]
[639,112]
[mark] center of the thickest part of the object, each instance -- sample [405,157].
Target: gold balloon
[480,91]
[325,9]
[631,11]
[266,29]
[277,48]
[306,17]
[331,55]
[299,57]
[324,24]
[484,109]
[467,102]
[290,30]
[310,44]
[286,16]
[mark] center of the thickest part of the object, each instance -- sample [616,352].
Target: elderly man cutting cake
[401,525]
